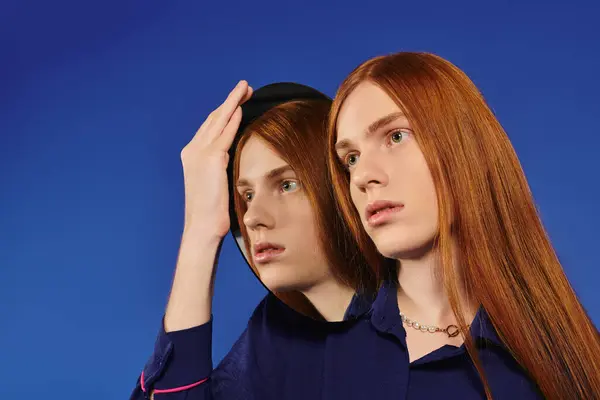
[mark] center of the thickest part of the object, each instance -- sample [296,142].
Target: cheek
[304,233]
[427,186]
[425,197]
[356,197]
[414,184]
[300,215]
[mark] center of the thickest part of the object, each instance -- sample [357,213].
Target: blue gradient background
[97,100]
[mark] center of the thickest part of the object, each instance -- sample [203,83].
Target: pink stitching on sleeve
[177,389]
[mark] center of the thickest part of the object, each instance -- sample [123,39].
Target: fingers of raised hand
[217,120]
[226,139]
[225,111]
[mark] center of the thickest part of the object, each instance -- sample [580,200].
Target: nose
[368,173]
[257,215]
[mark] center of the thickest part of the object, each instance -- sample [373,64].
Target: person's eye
[248,195]
[289,186]
[350,160]
[398,135]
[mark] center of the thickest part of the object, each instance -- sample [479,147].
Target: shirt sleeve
[180,366]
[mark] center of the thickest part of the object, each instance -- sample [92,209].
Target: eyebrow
[375,126]
[274,173]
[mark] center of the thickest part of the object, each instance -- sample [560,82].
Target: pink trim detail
[177,389]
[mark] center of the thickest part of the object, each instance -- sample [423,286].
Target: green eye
[397,136]
[288,186]
[351,159]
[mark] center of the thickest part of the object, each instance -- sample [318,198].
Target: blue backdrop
[97,100]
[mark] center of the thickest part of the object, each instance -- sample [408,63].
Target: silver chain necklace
[451,330]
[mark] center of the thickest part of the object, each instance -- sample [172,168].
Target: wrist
[202,234]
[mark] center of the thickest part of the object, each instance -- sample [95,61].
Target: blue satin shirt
[284,355]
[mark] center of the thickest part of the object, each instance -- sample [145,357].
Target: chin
[401,244]
[277,280]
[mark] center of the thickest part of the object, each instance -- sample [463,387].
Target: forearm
[190,301]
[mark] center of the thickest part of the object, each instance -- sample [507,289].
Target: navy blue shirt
[285,355]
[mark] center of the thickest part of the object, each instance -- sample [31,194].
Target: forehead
[366,104]
[258,158]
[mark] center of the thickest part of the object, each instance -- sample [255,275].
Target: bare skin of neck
[422,298]
[331,298]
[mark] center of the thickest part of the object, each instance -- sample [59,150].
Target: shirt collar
[384,311]
[359,305]
[483,328]
[385,315]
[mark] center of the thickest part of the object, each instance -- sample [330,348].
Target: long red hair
[486,207]
[296,130]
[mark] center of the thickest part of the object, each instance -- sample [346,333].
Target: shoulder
[249,341]
[271,317]
[242,348]
[234,376]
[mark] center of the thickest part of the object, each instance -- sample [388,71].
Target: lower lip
[268,255]
[383,216]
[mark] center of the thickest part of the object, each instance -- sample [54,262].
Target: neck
[421,294]
[331,298]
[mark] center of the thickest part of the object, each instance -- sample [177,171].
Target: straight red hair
[507,262]
[296,130]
